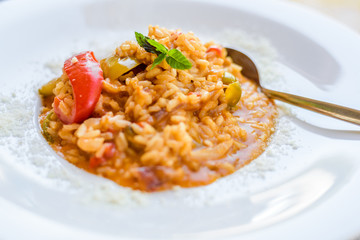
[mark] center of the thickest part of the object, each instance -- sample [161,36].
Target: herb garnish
[173,57]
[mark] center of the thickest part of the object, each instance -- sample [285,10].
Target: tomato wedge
[86,76]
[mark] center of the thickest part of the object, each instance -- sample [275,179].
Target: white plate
[311,194]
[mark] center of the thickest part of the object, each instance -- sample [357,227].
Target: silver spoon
[249,70]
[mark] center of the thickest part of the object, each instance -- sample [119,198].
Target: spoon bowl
[250,71]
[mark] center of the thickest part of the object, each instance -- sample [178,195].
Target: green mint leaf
[143,41]
[177,60]
[158,60]
[149,48]
[140,39]
[158,46]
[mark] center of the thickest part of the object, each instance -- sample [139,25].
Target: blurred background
[346,11]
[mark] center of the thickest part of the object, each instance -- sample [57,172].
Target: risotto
[147,123]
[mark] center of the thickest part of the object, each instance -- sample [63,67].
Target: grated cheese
[74,60]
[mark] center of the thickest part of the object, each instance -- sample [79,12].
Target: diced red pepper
[110,150]
[216,49]
[95,162]
[86,76]
[194,93]
[141,124]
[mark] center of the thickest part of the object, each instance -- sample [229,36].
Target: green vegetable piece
[228,78]
[47,89]
[114,66]
[233,94]
[177,60]
[129,135]
[45,125]
[129,132]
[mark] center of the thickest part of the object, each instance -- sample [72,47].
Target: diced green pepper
[129,135]
[233,94]
[45,125]
[114,66]
[228,78]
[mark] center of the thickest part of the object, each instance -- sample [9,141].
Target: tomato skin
[86,76]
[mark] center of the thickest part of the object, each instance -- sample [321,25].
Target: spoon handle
[329,109]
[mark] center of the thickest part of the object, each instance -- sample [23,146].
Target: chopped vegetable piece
[115,66]
[110,150]
[233,94]
[95,162]
[86,78]
[216,49]
[47,89]
[130,137]
[228,78]
[45,125]
[129,132]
